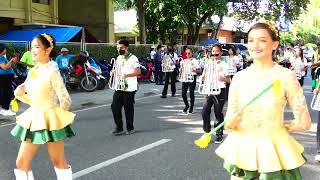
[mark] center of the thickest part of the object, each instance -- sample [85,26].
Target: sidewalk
[82,100]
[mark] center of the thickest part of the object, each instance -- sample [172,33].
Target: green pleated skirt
[42,136]
[233,170]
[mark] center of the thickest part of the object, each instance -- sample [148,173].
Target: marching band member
[130,69]
[169,61]
[299,66]
[259,145]
[216,100]
[187,75]
[46,121]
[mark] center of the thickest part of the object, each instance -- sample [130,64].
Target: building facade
[95,15]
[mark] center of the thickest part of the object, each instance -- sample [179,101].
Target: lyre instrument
[209,79]
[116,80]
[167,64]
[186,73]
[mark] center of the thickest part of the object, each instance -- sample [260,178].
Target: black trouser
[6,91]
[318,134]
[172,77]
[301,81]
[191,86]
[126,99]
[218,102]
[158,73]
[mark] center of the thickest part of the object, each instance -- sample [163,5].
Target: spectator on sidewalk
[157,66]
[64,61]
[27,61]
[6,78]
[125,98]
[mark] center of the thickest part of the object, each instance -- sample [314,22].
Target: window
[41,1]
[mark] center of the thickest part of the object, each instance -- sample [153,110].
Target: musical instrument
[231,67]
[185,73]
[209,79]
[167,64]
[116,81]
[315,103]
[298,70]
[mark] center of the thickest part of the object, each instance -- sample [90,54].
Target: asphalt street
[161,149]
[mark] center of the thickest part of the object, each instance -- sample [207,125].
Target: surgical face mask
[121,52]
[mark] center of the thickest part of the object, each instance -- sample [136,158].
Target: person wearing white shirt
[216,100]
[125,98]
[172,75]
[195,67]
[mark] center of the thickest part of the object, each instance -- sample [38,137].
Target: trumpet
[231,68]
[185,73]
[116,81]
[167,64]
[209,79]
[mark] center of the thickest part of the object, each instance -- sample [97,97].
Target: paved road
[162,148]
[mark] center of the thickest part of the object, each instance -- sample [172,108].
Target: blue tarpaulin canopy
[63,34]
[208,42]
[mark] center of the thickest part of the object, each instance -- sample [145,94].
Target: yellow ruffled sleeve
[297,102]
[60,90]
[21,95]
[234,111]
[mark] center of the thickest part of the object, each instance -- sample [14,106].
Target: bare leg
[26,153]
[56,154]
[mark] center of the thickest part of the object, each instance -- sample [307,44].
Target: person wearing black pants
[216,100]
[173,58]
[157,66]
[188,65]
[130,69]
[6,77]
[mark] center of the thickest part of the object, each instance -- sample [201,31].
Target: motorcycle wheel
[151,79]
[102,84]
[90,85]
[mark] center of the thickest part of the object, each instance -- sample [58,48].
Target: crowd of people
[258,146]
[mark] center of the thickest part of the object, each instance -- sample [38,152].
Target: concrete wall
[24,11]
[95,15]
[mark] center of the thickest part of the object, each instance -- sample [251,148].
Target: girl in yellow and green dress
[259,145]
[48,120]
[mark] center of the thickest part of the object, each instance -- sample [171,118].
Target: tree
[193,14]
[270,10]
[139,5]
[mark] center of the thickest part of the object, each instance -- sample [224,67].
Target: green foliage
[165,18]
[13,48]
[269,10]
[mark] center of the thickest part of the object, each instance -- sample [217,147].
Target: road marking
[86,109]
[118,158]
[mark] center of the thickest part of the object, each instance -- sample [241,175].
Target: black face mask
[121,52]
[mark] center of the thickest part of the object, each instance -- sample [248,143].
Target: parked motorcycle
[104,68]
[147,70]
[82,74]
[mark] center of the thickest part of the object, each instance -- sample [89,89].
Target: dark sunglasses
[215,54]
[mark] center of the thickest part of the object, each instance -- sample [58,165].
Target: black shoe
[190,110]
[163,96]
[185,110]
[173,95]
[117,132]
[130,132]
[218,140]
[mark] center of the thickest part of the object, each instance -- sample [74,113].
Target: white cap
[64,50]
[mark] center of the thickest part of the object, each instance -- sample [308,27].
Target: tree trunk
[218,27]
[141,21]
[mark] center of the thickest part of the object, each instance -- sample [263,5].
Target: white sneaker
[2,112]
[8,113]
[317,157]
